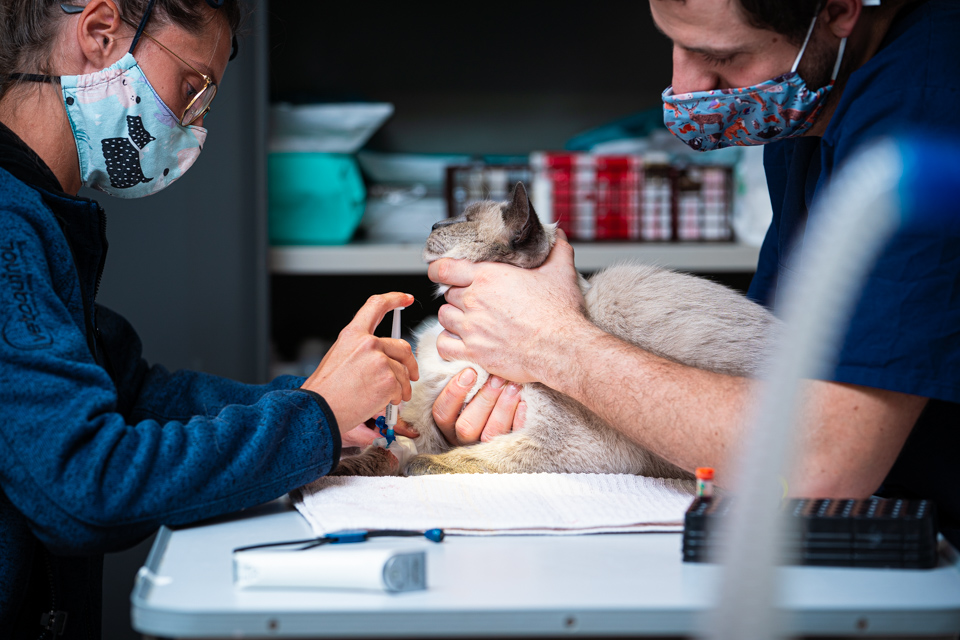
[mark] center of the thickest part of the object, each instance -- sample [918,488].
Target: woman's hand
[361,373]
[495,410]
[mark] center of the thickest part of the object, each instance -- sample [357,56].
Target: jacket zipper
[52,621]
[53,591]
[103,254]
[94,337]
[98,337]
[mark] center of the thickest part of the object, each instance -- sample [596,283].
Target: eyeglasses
[199,105]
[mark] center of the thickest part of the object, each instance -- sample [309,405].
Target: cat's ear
[521,220]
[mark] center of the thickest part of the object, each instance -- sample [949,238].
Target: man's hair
[791,18]
[29,28]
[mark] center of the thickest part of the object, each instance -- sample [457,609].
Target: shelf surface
[405,258]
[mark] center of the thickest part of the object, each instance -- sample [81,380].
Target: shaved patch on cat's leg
[444,463]
[505,454]
[374,461]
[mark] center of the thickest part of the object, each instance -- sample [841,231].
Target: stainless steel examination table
[511,586]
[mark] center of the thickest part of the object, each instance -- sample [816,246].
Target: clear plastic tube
[848,228]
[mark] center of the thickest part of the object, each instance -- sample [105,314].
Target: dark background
[497,77]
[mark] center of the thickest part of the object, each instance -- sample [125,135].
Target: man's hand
[504,317]
[495,410]
[362,373]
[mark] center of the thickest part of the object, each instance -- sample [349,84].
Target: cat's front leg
[373,461]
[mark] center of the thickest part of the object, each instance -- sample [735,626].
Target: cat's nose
[447,222]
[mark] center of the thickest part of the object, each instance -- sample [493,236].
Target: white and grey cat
[680,317]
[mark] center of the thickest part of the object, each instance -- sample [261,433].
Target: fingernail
[519,418]
[513,389]
[467,378]
[496,382]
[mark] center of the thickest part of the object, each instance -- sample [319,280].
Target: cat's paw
[374,461]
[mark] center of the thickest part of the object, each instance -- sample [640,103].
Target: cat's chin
[433,250]
[441,289]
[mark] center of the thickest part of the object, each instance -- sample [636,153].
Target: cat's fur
[680,317]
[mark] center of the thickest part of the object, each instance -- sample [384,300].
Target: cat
[679,317]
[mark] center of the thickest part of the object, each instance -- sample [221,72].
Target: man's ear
[98,34]
[841,16]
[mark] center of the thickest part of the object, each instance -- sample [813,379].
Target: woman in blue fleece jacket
[97,449]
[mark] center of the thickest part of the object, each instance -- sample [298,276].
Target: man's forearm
[847,437]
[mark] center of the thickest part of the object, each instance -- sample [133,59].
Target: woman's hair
[29,28]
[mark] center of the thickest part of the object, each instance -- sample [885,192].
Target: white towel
[489,504]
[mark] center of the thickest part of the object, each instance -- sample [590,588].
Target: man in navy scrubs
[889,414]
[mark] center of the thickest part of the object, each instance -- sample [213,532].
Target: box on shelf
[398,214]
[325,128]
[479,181]
[609,197]
[405,195]
[316,195]
[313,198]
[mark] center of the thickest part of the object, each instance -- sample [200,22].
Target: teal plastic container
[314,198]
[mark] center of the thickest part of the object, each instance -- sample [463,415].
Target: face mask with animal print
[130,143]
[780,108]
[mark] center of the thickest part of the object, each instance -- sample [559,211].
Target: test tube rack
[873,532]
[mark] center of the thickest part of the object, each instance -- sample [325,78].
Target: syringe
[393,410]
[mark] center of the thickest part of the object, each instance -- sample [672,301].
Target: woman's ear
[841,16]
[98,34]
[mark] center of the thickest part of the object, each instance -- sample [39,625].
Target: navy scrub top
[905,332]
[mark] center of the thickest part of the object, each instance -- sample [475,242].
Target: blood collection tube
[704,483]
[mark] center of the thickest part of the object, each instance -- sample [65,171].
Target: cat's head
[507,232]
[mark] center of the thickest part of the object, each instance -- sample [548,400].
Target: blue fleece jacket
[98,449]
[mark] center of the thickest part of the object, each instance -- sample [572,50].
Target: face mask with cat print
[650,307]
[129,143]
